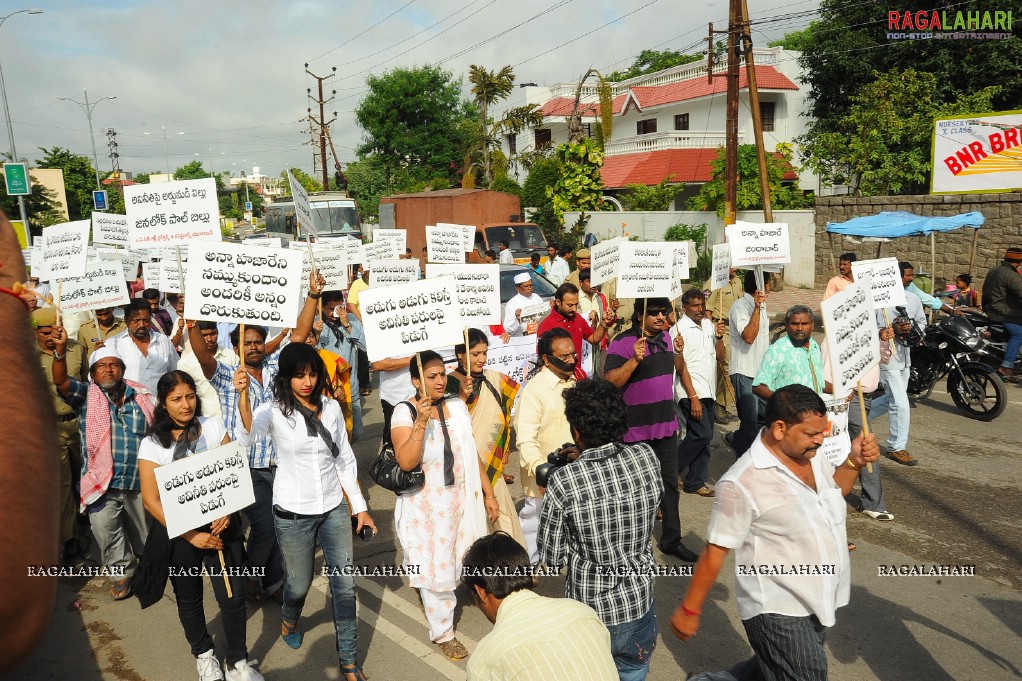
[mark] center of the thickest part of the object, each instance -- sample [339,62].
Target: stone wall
[1002,229]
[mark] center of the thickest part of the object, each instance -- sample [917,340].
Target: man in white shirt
[147,354]
[506,257]
[395,387]
[557,269]
[524,298]
[749,331]
[534,638]
[695,389]
[781,508]
[541,424]
[189,364]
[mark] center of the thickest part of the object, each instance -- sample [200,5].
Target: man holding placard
[105,325]
[147,354]
[343,335]
[525,298]
[564,315]
[749,331]
[718,306]
[796,358]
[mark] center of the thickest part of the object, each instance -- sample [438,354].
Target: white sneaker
[243,672]
[208,667]
[879,515]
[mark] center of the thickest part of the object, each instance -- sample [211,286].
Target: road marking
[413,645]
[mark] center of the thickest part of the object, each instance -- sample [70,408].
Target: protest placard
[399,237]
[391,272]
[66,249]
[445,244]
[268,242]
[332,263]
[403,319]
[110,228]
[511,358]
[171,272]
[468,232]
[379,250]
[681,271]
[646,269]
[303,209]
[532,316]
[151,274]
[759,244]
[721,268]
[102,286]
[199,489]
[243,284]
[478,291]
[172,213]
[837,444]
[884,279]
[852,340]
[126,259]
[604,261]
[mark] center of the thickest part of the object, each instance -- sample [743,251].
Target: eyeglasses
[566,357]
[657,313]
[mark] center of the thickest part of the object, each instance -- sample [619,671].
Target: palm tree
[489,87]
[605,94]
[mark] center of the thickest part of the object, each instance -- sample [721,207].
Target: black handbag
[385,471]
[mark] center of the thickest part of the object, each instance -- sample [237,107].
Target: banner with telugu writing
[721,268]
[884,278]
[478,291]
[646,269]
[604,261]
[172,213]
[102,286]
[390,272]
[759,244]
[403,319]
[66,249]
[445,244]
[852,339]
[110,228]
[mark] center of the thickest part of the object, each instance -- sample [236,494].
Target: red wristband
[14,294]
[691,613]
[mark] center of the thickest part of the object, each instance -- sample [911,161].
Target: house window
[542,138]
[766,114]
[587,129]
[645,127]
[512,144]
[681,121]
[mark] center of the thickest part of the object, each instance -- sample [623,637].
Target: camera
[555,460]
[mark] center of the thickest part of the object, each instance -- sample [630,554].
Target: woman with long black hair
[177,431]
[315,470]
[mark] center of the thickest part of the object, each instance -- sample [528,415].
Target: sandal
[121,590]
[293,637]
[509,479]
[851,546]
[453,649]
[356,671]
[366,392]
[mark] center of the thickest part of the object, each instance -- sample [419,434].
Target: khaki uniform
[69,447]
[88,331]
[719,306]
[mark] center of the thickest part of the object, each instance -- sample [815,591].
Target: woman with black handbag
[439,522]
[315,469]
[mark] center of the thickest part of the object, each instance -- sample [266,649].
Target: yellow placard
[19,229]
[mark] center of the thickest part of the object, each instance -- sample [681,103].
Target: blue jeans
[262,548]
[297,540]
[750,413]
[895,401]
[1014,343]
[632,645]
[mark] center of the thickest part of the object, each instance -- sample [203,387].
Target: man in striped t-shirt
[641,363]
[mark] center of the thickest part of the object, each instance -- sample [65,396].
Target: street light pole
[88,109]
[7,115]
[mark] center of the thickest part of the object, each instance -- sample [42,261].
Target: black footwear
[723,418]
[729,440]
[681,552]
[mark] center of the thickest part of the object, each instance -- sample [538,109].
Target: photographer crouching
[597,518]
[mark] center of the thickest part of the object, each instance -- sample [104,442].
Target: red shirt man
[564,315]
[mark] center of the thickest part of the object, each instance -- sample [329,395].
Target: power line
[354,37]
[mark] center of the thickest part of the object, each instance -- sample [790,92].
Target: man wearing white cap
[523,299]
[114,416]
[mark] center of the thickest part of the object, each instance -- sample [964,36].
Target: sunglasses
[657,313]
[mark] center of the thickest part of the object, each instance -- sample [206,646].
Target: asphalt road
[962,505]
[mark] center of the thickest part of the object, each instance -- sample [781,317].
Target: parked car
[541,286]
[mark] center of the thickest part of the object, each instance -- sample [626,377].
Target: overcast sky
[230,75]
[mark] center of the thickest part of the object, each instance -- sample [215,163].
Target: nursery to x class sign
[977,153]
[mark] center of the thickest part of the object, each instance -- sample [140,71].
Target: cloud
[231,76]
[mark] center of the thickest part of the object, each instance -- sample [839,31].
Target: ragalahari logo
[945,25]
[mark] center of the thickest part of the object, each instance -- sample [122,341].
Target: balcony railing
[661,141]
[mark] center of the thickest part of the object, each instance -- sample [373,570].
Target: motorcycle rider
[894,370]
[1002,301]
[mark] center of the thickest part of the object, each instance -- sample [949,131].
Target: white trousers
[529,518]
[439,606]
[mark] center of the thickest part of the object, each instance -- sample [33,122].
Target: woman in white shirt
[315,470]
[177,431]
[438,523]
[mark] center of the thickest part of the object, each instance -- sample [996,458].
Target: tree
[192,170]
[141,178]
[367,184]
[414,118]
[308,182]
[544,173]
[651,197]
[489,87]
[848,44]
[79,179]
[750,196]
[651,61]
[882,144]
[580,186]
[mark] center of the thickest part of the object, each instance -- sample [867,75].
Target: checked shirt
[597,519]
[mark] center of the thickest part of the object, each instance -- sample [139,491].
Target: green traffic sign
[18,181]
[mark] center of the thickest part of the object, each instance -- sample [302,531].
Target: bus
[334,213]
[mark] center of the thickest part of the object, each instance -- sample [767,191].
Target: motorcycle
[994,335]
[950,348]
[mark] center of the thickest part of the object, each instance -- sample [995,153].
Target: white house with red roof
[671,123]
